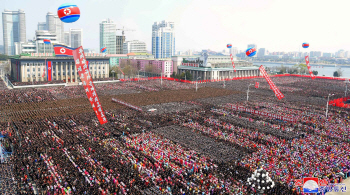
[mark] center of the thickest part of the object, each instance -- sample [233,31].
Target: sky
[277,25]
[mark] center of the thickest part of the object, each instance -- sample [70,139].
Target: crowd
[203,148]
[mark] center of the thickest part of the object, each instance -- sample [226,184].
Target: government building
[32,67]
[209,67]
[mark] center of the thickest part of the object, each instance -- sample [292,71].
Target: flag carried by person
[256,84]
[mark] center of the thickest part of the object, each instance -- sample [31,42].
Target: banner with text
[127,104]
[309,67]
[233,64]
[278,94]
[85,77]
[266,114]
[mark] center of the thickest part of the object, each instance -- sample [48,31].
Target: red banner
[85,77]
[266,114]
[49,70]
[127,104]
[309,67]
[233,64]
[278,94]
[256,84]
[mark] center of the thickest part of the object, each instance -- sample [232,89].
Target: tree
[127,70]
[189,76]
[315,72]
[335,74]
[4,57]
[149,68]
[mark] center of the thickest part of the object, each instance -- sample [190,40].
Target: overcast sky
[278,25]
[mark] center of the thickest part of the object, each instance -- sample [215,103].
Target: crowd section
[203,148]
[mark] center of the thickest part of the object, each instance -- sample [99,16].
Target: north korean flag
[63,51]
[47,41]
[49,70]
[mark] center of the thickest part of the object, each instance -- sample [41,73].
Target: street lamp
[197,83]
[248,91]
[113,74]
[327,104]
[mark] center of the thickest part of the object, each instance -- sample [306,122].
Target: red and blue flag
[47,41]
[63,51]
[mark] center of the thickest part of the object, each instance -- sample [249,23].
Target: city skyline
[276,26]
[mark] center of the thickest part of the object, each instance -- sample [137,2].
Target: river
[326,70]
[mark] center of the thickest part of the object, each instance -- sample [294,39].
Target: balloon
[229,45]
[250,52]
[103,49]
[68,13]
[305,45]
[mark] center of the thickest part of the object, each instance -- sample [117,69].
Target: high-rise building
[41,25]
[134,46]
[14,29]
[327,55]
[41,47]
[120,44]
[54,24]
[76,37]
[234,51]
[108,35]
[340,53]
[262,52]
[163,39]
[66,38]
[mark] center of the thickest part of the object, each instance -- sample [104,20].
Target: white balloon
[262,181]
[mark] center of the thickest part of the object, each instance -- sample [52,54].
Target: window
[33,69]
[38,69]
[28,70]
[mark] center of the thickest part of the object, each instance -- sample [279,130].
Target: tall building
[234,51]
[54,24]
[163,39]
[134,46]
[119,44]
[41,25]
[14,29]
[340,53]
[66,38]
[262,52]
[76,37]
[41,47]
[108,35]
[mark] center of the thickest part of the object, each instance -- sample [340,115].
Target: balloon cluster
[260,180]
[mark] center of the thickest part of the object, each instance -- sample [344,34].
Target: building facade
[120,44]
[134,46]
[41,26]
[14,29]
[76,37]
[108,35]
[163,39]
[114,59]
[66,39]
[261,52]
[41,47]
[55,25]
[140,56]
[212,60]
[28,69]
[162,67]
[208,73]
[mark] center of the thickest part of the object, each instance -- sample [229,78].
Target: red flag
[49,70]
[85,77]
[63,51]
[309,67]
[256,84]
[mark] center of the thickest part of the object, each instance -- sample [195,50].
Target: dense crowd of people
[203,148]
